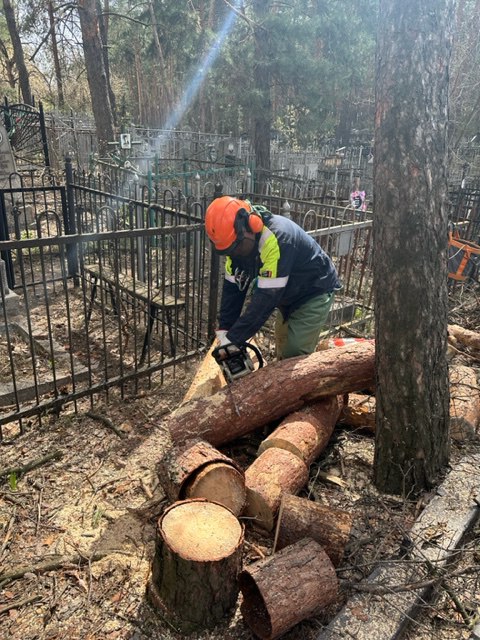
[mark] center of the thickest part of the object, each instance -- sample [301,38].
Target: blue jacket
[287,268]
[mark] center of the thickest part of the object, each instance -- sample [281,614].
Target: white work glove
[221,335]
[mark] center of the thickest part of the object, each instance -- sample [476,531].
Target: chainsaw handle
[256,351]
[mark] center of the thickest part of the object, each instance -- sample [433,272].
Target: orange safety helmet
[226,220]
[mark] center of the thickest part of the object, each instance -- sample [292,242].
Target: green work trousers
[298,335]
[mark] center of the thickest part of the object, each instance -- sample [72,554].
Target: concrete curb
[435,536]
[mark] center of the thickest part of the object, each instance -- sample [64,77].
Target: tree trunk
[198,556]
[56,59]
[272,393]
[262,119]
[103,32]
[306,433]
[273,473]
[96,74]
[301,518]
[410,231]
[23,77]
[286,588]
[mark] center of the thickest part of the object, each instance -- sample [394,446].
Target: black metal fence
[113,285]
[98,290]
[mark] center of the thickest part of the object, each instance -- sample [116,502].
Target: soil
[98,503]
[19,355]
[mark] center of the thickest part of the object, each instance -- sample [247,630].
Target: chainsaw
[235,361]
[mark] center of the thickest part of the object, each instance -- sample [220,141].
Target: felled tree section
[286,588]
[306,433]
[301,518]
[272,393]
[198,470]
[273,473]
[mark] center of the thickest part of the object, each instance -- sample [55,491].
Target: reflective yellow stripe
[269,254]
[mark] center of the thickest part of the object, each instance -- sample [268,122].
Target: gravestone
[7,167]
[7,161]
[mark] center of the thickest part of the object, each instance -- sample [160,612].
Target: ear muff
[245,221]
[255,222]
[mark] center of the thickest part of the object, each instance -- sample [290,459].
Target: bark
[18,55]
[273,473]
[306,433]
[9,64]
[272,393]
[198,556]
[410,228]
[96,74]
[301,518]
[290,586]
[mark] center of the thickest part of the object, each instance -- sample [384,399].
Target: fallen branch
[50,565]
[107,422]
[19,603]
[20,471]
[384,589]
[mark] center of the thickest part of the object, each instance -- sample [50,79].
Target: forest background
[300,72]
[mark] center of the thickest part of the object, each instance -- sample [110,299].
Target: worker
[285,269]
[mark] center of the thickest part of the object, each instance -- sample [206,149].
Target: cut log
[359,412]
[208,378]
[464,402]
[198,555]
[301,518]
[272,393]
[465,337]
[219,482]
[286,588]
[274,472]
[198,470]
[306,433]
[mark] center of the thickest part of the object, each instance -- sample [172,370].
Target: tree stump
[301,518]
[286,588]
[274,472]
[198,470]
[306,433]
[198,556]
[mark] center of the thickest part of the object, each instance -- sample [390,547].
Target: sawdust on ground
[102,497]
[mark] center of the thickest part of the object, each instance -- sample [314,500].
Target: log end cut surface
[201,531]
[220,483]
